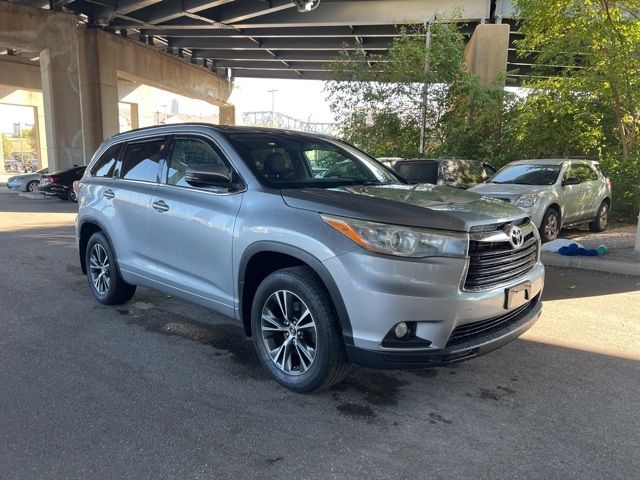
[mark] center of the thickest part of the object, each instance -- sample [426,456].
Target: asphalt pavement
[158,388]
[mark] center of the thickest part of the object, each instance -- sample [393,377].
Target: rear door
[574,195]
[193,227]
[135,182]
[96,183]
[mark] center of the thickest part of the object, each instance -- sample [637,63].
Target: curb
[590,263]
[35,196]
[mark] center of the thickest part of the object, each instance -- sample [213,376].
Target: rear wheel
[32,186]
[599,224]
[296,332]
[71,195]
[550,228]
[105,281]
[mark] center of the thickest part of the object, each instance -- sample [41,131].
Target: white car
[555,193]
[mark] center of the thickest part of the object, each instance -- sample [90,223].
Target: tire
[550,227]
[316,354]
[599,224]
[32,186]
[71,196]
[100,260]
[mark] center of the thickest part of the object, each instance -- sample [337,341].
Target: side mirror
[570,181]
[208,175]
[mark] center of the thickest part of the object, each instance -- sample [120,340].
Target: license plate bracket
[517,296]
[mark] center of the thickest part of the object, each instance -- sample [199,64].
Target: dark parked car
[60,183]
[454,172]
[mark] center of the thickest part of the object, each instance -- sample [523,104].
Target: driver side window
[186,153]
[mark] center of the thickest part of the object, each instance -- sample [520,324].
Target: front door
[193,227]
[574,195]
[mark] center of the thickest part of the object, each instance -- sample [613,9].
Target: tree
[405,92]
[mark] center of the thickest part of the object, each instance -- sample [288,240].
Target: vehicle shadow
[564,283]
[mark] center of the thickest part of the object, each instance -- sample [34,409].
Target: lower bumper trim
[396,360]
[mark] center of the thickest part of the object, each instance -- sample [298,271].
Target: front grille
[469,331]
[494,263]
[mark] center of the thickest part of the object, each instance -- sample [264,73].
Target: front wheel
[296,332]
[71,195]
[599,224]
[105,281]
[32,186]
[550,228]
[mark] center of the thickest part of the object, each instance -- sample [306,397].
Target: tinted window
[106,163]
[462,173]
[285,160]
[534,174]
[188,152]
[418,172]
[141,159]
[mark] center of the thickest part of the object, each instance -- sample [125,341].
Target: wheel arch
[262,258]
[88,227]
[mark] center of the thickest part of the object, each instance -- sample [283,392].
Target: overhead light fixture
[306,5]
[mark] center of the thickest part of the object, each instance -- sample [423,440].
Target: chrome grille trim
[493,260]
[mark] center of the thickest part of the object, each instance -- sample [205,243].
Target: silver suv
[554,193]
[322,270]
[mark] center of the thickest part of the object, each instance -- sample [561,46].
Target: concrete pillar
[227,114]
[63,116]
[486,53]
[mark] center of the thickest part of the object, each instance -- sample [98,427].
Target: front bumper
[18,187]
[380,291]
[396,360]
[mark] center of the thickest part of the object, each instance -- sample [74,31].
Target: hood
[424,205]
[507,190]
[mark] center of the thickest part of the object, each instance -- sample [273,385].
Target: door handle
[108,193]
[160,206]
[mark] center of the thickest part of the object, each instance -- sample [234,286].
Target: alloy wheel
[289,332]
[33,187]
[100,270]
[604,215]
[551,227]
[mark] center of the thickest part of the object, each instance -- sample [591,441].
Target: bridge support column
[486,53]
[227,115]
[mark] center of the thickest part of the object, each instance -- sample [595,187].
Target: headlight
[526,200]
[400,241]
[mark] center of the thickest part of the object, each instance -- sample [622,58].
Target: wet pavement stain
[427,373]
[224,337]
[376,388]
[435,418]
[355,410]
[274,460]
[495,394]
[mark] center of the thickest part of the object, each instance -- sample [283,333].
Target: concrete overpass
[78,67]
[76,51]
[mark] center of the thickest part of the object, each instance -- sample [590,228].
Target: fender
[314,263]
[105,232]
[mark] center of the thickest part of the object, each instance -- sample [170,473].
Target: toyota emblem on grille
[516,237]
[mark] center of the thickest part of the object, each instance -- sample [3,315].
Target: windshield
[286,160]
[528,175]
[462,173]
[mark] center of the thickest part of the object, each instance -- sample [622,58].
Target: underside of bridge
[196,47]
[272,38]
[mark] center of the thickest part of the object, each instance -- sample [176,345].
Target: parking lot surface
[158,388]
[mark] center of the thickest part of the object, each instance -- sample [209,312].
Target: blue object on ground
[575,250]
[601,249]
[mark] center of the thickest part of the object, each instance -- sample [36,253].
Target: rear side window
[141,159]
[106,163]
[418,172]
[188,152]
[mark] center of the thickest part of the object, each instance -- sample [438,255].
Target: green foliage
[381,101]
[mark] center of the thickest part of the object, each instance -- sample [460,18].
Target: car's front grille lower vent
[469,331]
[495,263]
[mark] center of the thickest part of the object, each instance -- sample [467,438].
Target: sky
[302,99]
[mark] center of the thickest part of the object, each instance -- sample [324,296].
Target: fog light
[401,329]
